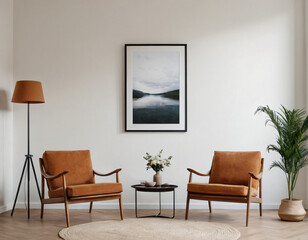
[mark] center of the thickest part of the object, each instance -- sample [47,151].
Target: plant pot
[291,210]
[158,179]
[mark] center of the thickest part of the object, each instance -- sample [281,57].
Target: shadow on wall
[3,101]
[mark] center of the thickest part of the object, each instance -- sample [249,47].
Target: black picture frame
[176,118]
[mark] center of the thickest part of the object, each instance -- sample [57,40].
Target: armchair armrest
[50,177]
[258,177]
[197,173]
[108,174]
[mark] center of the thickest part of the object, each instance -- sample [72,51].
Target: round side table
[160,189]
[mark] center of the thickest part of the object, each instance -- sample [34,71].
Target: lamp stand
[28,162]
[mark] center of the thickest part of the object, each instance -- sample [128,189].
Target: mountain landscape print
[156,87]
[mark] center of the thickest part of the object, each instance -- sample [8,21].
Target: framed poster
[155,87]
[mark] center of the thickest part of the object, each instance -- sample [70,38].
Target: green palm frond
[305,125]
[279,165]
[272,117]
[291,126]
[304,153]
[273,147]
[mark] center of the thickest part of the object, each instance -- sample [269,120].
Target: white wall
[300,81]
[241,54]
[6,115]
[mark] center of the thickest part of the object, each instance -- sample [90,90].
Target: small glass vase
[158,179]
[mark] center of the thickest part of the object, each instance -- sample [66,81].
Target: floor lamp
[28,92]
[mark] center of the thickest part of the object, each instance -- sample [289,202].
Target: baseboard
[102,205]
[4,208]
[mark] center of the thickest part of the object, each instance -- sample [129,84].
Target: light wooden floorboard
[267,227]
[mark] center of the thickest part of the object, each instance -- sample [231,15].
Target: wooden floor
[267,227]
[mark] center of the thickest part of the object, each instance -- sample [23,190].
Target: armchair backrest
[233,167]
[77,163]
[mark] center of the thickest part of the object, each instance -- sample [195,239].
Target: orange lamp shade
[27,91]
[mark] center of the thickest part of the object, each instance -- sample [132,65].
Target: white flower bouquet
[157,163]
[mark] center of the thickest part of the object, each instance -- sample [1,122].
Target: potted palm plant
[291,126]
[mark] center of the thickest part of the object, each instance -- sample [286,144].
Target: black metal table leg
[159,205]
[136,204]
[159,213]
[173,203]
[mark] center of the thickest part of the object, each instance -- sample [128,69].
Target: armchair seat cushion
[87,190]
[220,189]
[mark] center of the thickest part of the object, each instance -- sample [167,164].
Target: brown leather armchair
[234,177]
[71,179]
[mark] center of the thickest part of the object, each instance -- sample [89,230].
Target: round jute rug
[150,229]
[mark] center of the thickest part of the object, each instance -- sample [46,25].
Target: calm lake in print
[151,109]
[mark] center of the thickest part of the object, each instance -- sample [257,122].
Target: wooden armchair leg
[121,208]
[247,213]
[42,196]
[210,206]
[260,208]
[187,206]
[42,209]
[67,214]
[91,205]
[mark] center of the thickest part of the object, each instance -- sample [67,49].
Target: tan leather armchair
[234,177]
[71,179]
